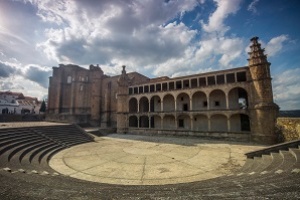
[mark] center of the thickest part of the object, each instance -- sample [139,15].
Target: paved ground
[149,160]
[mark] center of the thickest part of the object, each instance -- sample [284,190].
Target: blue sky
[153,37]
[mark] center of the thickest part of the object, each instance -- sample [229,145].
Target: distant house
[17,103]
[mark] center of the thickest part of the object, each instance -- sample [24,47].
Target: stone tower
[264,111]
[122,102]
[96,97]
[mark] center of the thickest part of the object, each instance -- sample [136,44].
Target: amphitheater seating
[271,173]
[31,148]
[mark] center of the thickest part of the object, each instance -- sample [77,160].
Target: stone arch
[218,123]
[217,100]
[155,121]
[239,122]
[184,122]
[144,121]
[238,98]
[183,102]
[144,104]
[155,104]
[133,105]
[168,103]
[169,122]
[133,121]
[200,123]
[199,101]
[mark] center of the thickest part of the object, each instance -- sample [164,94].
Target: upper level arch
[168,103]
[133,105]
[155,103]
[238,98]
[183,102]
[144,104]
[217,99]
[199,101]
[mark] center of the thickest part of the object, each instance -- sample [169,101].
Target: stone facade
[232,104]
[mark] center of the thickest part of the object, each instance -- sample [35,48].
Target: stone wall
[288,128]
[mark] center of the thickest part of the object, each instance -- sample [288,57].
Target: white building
[17,103]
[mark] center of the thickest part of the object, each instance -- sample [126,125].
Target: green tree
[43,107]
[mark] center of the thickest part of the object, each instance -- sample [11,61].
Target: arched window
[69,79]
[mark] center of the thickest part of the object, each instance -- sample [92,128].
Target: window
[171,86]
[69,79]
[230,78]
[181,123]
[178,85]
[220,79]
[202,81]
[211,80]
[151,88]
[217,103]
[164,86]
[194,83]
[158,87]
[141,89]
[81,87]
[204,103]
[241,76]
[130,90]
[185,107]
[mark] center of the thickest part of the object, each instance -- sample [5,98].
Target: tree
[43,107]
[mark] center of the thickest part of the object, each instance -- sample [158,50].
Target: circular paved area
[146,160]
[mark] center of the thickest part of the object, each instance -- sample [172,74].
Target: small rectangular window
[178,85]
[202,81]
[158,87]
[171,86]
[241,76]
[220,79]
[230,78]
[141,89]
[146,88]
[151,88]
[204,103]
[186,83]
[164,86]
[217,103]
[194,83]
[211,80]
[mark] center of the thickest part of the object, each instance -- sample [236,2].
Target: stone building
[232,104]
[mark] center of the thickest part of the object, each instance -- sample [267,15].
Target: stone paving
[150,160]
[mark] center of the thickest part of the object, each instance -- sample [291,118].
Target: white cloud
[111,32]
[287,89]
[275,45]
[216,20]
[18,83]
[252,6]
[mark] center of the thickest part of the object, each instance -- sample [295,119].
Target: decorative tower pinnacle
[263,110]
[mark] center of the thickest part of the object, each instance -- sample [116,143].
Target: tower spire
[264,110]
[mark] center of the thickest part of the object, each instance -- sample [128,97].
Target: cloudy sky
[153,37]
